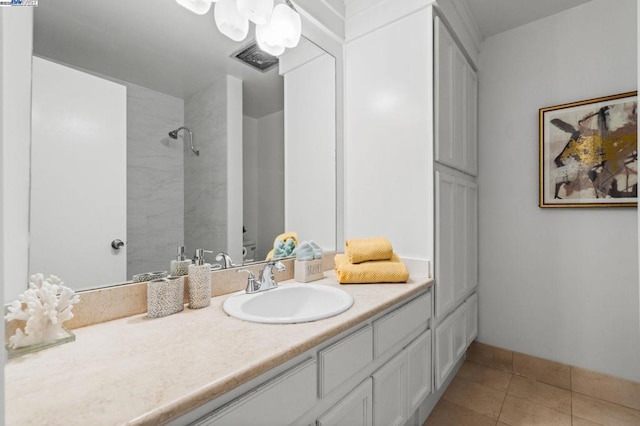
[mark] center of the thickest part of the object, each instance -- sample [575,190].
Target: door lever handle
[117,244]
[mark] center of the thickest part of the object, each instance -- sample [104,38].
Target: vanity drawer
[280,401]
[401,325]
[343,359]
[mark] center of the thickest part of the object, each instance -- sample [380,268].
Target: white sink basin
[290,303]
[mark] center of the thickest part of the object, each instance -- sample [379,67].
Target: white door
[78,176]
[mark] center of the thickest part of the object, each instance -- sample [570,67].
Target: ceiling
[496,16]
[160,45]
[153,43]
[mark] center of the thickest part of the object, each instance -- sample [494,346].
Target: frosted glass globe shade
[229,21]
[257,11]
[268,40]
[286,25]
[199,7]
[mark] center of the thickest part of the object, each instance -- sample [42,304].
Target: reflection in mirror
[113,82]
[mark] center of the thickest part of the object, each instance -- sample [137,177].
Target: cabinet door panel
[356,409]
[459,331]
[471,236]
[445,244]
[419,358]
[459,109]
[471,121]
[280,401]
[460,240]
[444,355]
[341,360]
[401,325]
[390,392]
[443,91]
[472,318]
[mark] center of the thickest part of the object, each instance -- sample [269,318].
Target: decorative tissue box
[308,270]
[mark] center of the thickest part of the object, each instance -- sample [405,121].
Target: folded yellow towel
[365,249]
[377,271]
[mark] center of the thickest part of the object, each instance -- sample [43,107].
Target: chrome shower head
[174,135]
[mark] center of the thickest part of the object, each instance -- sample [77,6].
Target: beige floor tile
[474,396]
[490,356]
[502,424]
[543,370]
[487,376]
[603,412]
[541,393]
[520,412]
[577,421]
[602,386]
[447,413]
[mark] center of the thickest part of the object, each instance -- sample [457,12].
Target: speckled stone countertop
[138,370]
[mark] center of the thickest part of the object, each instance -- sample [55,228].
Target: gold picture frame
[589,153]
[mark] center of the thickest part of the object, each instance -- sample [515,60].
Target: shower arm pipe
[196,152]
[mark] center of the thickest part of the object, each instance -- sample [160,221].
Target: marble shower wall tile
[205,180]
[155,180]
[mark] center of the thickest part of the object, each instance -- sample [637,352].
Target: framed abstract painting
[589,153]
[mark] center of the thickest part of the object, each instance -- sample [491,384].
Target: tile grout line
[603,400]
[571,391]
[505,398]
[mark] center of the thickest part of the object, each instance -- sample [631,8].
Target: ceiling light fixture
[257,11]
[277,28]
[199,7]
[229,20]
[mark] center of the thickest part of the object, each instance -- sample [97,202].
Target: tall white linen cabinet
[411,160]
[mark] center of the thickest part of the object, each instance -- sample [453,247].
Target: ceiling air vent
[256,58]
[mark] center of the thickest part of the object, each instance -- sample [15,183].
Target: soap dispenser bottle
[199,281]
[180,266]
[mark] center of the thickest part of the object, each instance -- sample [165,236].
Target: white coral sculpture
[44,306]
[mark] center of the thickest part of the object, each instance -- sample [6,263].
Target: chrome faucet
[266,280]
[225,259]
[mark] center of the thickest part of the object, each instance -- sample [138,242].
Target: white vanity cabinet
[456,100]
[379,373]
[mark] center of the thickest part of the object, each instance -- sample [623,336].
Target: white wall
[17,34]
[263,173]
[250,177]
[388,138]
[16,31]
[234,168]
[561,284]
[270,181]
[310,151]
[205,176]
[155,177]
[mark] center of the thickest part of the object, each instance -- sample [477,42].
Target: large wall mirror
[147,131]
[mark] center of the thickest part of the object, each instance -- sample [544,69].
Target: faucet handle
[252,285]
[278,265]
[225,258]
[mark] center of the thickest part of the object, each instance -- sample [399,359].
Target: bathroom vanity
[372,362]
